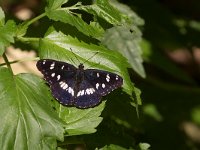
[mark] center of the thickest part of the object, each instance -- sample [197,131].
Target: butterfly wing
[102,81]
[86,96]
[60,77]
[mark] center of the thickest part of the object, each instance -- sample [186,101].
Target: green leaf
[133,17]
[27,120]
[67,16]
[121,39]
[104,10]
[144,146]
[114,147]
[2,17]
[22,29]
[52,4]
[7,33]
[58,46]
[84,123]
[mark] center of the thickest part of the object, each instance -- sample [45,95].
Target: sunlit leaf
[27,120]
[2,17]
[7,33]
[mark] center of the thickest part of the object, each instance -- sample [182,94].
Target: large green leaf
[27,120]
[7,33]
[121,39]
[67,16]
[57,46]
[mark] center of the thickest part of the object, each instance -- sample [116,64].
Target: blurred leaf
[22,29]
[104,10]
[7,33]
[2,17]
[67,16]
[133,17]
[152,111]
[144,146]
[80,121]
[154,56]
[121,39]
[195,114]
[113,147]
[27,120]
[52,4]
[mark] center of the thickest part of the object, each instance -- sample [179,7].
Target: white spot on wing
[58,77]
[89,91]
[71,91]
[53,74]
[107,78]
[97,85]
[52,65]
[65,86]
[103,85]
[97,74]
[117,77]
[62,84]
[62,67]
[44,61]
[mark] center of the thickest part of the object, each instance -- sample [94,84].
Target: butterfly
[77,87]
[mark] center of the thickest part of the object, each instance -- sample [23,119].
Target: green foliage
[30,116]
[27,120]
[83,123]
[7,32]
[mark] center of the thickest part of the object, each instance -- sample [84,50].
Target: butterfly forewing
[60,77]
[55,71]
[104,82]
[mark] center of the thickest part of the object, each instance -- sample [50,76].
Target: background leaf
[113,147]
[121,39]
[104,10]
[27,120]
[66,15]
[2,17]
[7,33]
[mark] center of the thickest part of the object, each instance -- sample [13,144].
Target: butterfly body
[77,87]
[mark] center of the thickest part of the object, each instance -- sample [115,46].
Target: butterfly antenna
[90,57]
[74,55]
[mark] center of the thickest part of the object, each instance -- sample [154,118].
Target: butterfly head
[81,67]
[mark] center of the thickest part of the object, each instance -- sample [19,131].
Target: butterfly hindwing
[104,82]
[63,91]
[86,96]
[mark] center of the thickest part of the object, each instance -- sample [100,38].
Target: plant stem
[7,63]
[19,61]
[35,19]
[27,39]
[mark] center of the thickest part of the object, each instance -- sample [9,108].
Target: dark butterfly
[73,86]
